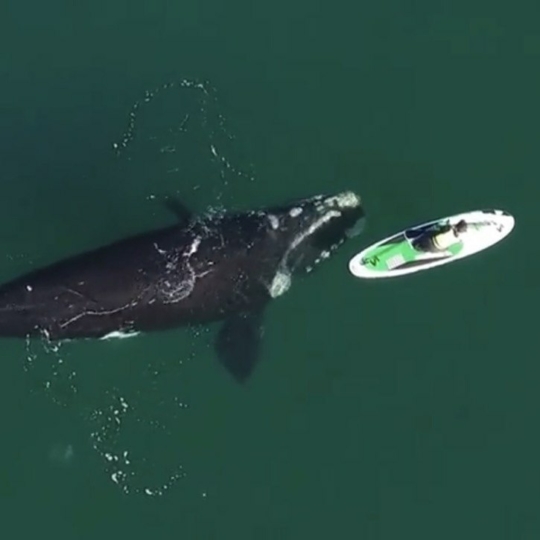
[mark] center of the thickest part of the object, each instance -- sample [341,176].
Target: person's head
[460,226]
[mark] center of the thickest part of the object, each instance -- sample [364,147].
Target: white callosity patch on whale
[274,221]
[324,255]
[343,201]
[348,199]
[194,246]
[296,211]
[280,284]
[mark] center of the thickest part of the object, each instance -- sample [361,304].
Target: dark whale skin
[141,283]
[212,268]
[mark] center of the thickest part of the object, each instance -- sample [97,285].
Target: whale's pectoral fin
[178,208]
[238,344]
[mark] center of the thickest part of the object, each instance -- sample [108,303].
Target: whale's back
[152,281]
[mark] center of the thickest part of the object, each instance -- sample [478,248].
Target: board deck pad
[397,255]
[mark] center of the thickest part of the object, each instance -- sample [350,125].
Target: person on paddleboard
[440,238]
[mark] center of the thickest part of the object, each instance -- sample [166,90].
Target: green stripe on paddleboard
[389,256]
[454,249]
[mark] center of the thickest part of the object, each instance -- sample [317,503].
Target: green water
[404,409]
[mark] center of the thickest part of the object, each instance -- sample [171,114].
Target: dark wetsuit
[424,242]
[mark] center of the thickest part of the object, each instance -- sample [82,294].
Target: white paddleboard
[402,253]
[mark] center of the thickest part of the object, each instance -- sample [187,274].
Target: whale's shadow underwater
[200,270]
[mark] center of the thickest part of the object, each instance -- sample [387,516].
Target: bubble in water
[61,454]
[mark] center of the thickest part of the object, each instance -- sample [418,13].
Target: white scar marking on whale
[160,251]
[118,334]
[97,313]
[274,221]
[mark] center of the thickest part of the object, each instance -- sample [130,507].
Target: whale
[204,268]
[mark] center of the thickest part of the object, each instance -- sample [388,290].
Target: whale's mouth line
[312,229]
[340,215]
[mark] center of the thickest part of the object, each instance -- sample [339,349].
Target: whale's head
[310,230]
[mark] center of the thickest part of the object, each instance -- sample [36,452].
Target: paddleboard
[402,254]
